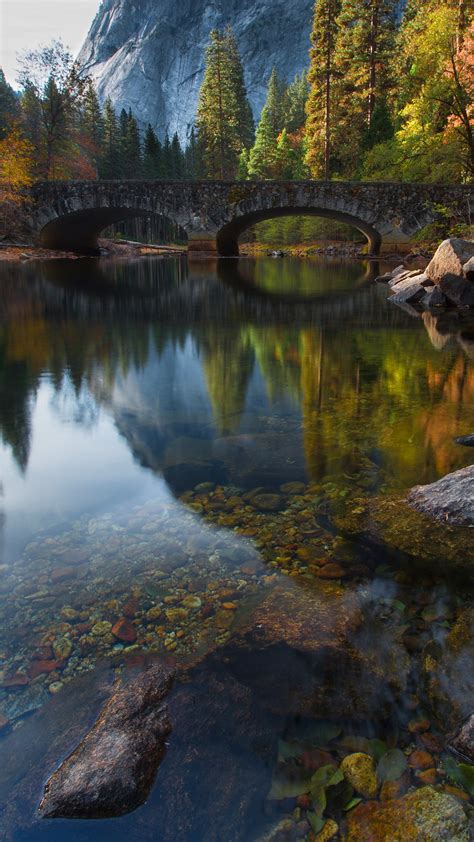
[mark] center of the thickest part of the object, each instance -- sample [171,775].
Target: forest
[385,97]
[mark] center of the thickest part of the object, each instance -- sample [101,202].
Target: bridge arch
[227,238]
[75,224]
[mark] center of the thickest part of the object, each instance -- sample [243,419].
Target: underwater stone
[112,770]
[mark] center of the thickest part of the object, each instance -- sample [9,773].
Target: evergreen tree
[110,158]
[363,58]
[321,100]
[91,125]
[263,156]
[152,155]
[130,146]
[296,97]
[9,106]
[177,158]
[223,119]
[167,158]
[192,167]
[244,117]
[243,168]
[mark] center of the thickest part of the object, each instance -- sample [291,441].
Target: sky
[27,24]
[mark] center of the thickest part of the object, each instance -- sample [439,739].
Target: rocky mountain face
[148,55]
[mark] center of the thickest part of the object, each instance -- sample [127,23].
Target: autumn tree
[55,87]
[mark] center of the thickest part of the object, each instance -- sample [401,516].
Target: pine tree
[9,106]
[296,97]
[192,168]
[243,168]
[223,118]
[130,146]
[321,101]
[91,125]
[152,155]
[363,57]
[177,158]
[244,116]
[262,159]
[110,159]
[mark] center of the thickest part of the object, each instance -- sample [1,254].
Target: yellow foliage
[16,165]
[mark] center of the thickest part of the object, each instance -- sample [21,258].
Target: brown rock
[331,571]
[420,760]
[124,631]
[394,789]
[130,608]
[298,649]
[427,776]
[44,667]
[4,722]
[112,770]
[16,679]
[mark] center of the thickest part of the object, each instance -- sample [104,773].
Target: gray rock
[450,499]
[466,441]
[149,55]
[462,742]
[434,298]
[111,771]
[450,258]
[403,279]
[410,294]
[468,269]
[457,289]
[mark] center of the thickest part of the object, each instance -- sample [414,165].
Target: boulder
[462,742]
[409,294]
[450,258]
[421,816]
[303,650]
[448,677]
[457,289]
[112,770]
[450,499]
[402,278]
[468,269]
[434,297]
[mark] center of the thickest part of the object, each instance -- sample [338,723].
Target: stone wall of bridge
[72,214]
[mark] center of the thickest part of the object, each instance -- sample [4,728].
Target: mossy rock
[390,523]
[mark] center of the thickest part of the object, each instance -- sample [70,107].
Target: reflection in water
[178,446]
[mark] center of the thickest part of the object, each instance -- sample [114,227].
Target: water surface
[179,443]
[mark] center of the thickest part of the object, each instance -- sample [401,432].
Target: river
[216,454]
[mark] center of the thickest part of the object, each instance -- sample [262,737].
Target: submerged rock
[304,650]
[112,770]
[422,816]
[359,770]
[450,499]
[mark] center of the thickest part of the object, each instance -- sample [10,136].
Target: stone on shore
[450,258]
[457,289]
[111,771]
[421,816]
[450,499]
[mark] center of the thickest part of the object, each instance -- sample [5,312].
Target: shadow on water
[222,463]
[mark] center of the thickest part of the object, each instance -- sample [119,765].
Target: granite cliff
[149,54]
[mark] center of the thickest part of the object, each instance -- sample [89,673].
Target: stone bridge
[71,214]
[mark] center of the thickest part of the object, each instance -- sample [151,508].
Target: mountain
[148,55]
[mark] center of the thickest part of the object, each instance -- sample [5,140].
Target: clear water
[146,406]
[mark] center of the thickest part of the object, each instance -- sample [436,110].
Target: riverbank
[109,248]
